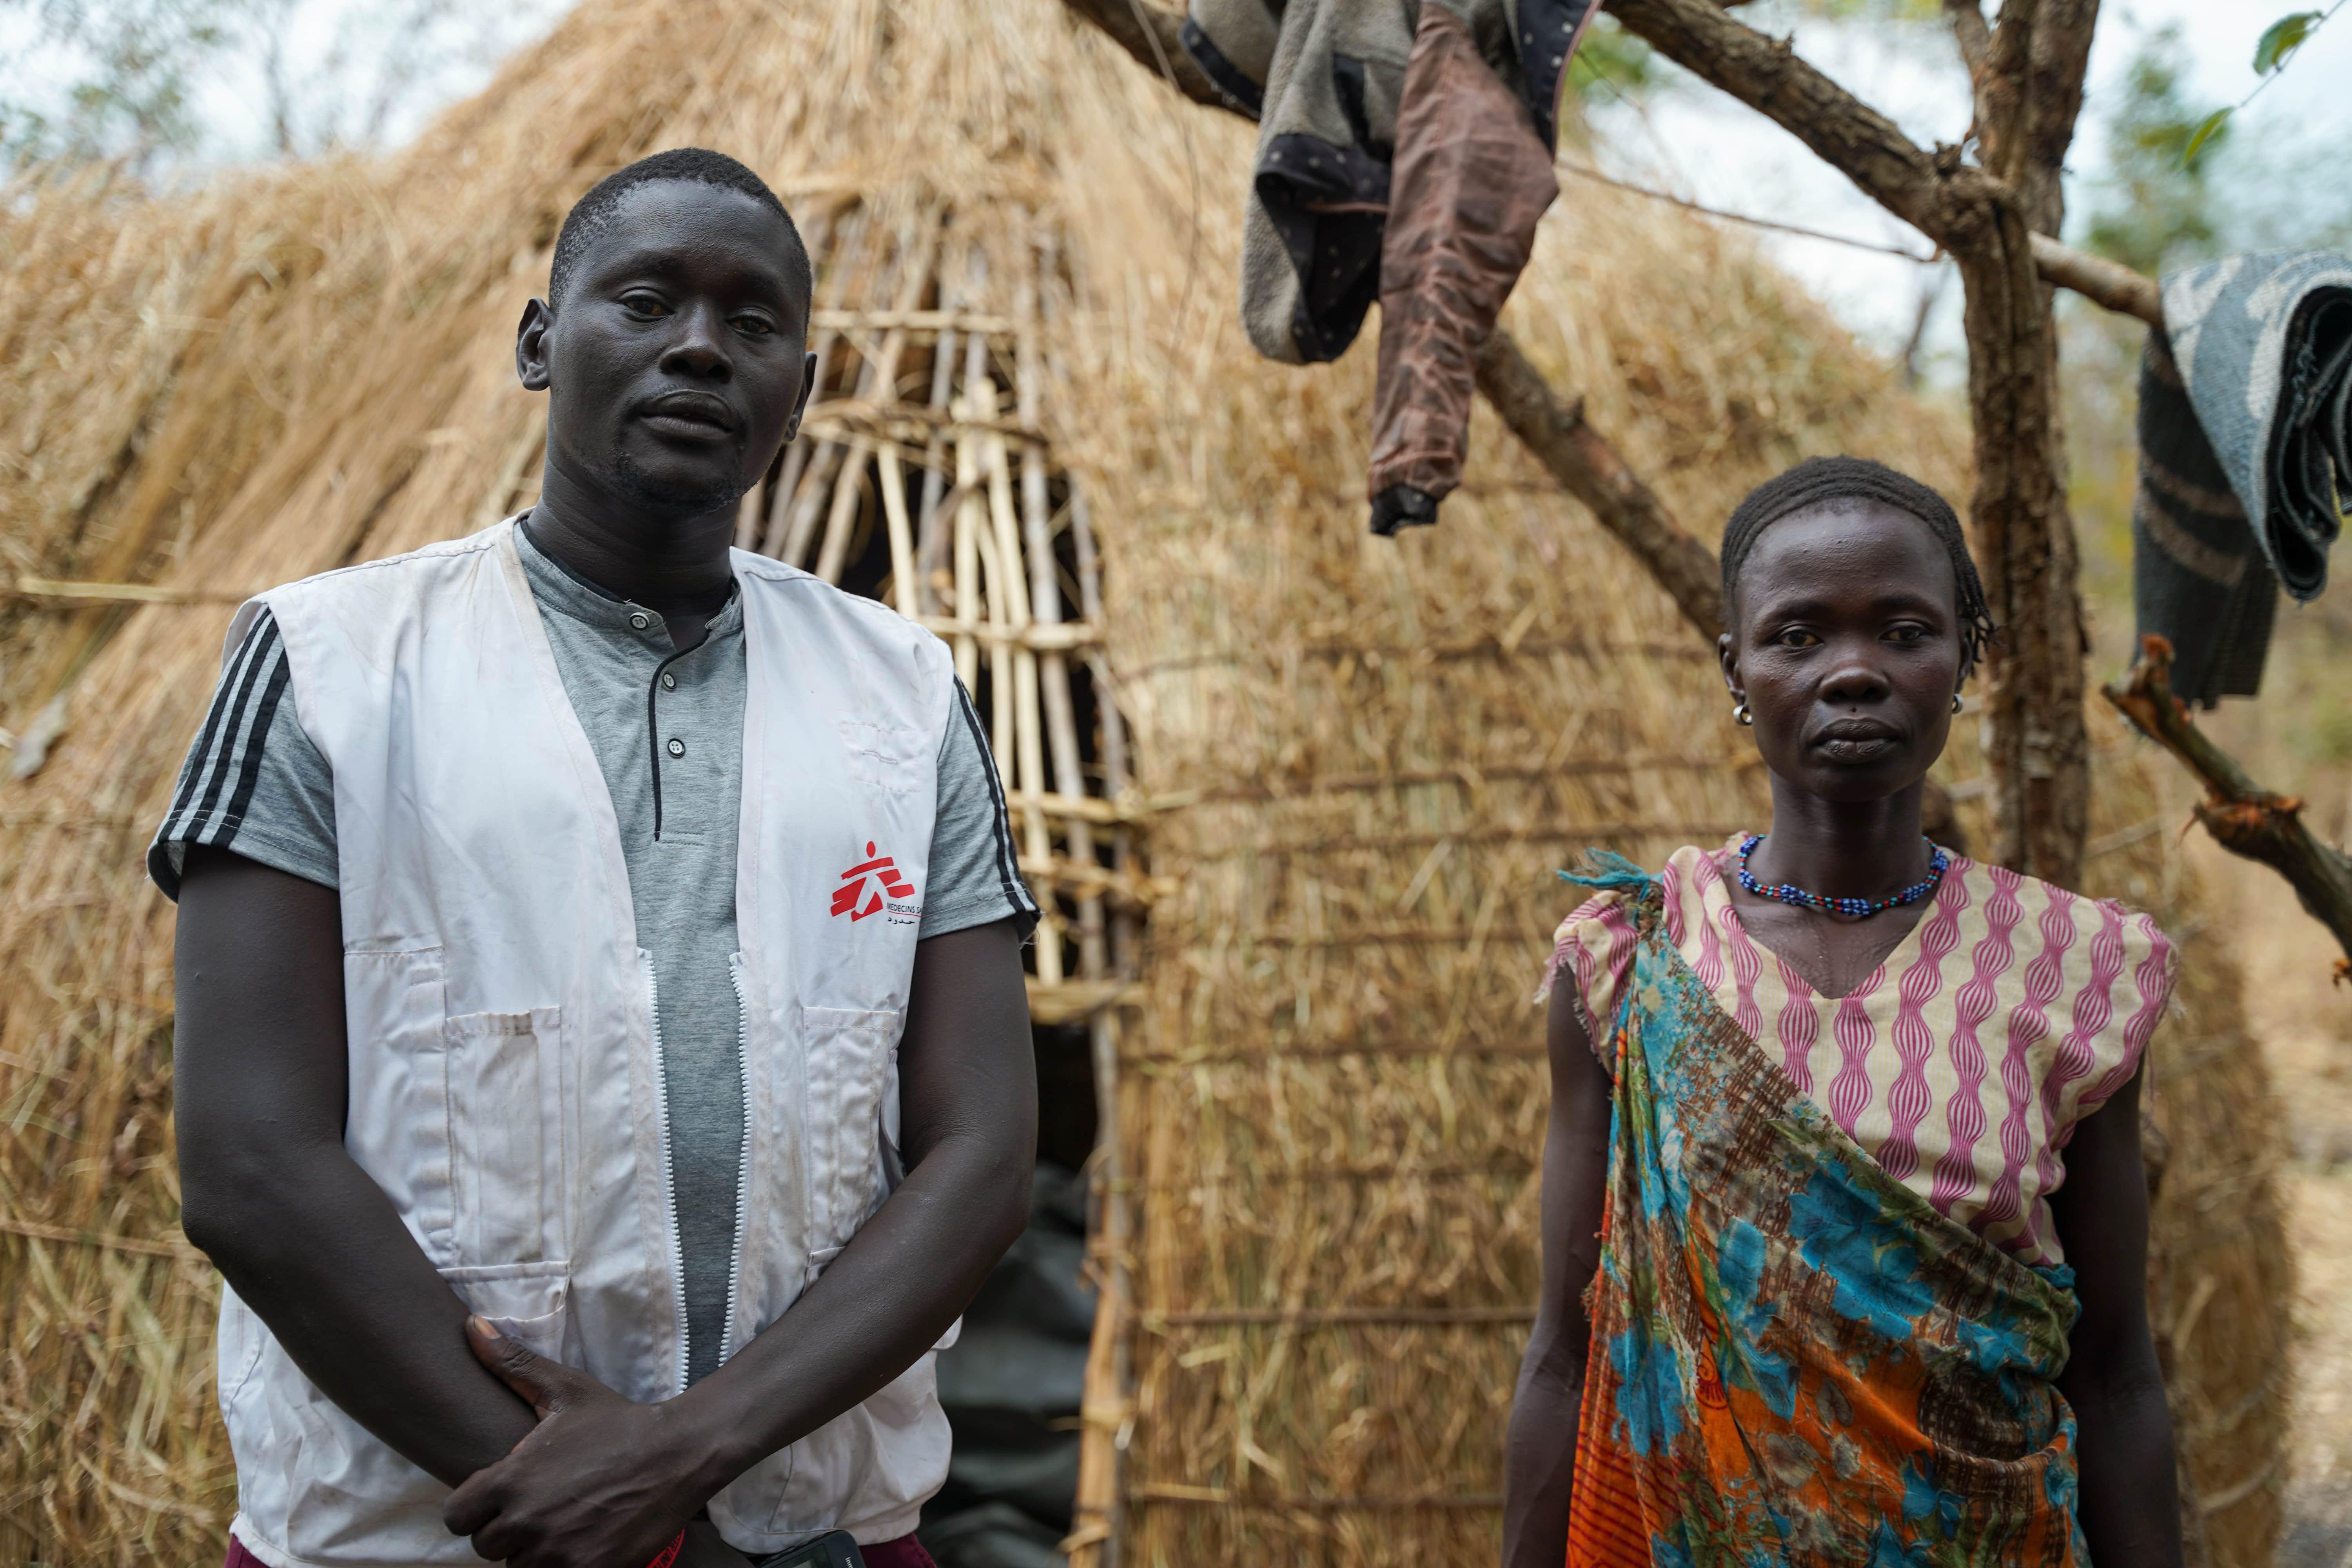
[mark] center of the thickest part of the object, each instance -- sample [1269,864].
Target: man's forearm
[889,1296]
[309,1243]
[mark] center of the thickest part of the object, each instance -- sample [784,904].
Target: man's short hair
[595,210]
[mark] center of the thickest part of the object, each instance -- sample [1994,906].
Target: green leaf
[2281,39]
[2202,134]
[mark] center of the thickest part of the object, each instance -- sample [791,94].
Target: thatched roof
[1356,760]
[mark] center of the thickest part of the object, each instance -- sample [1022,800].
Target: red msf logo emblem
[884,871]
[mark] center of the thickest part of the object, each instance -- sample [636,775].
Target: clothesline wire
[1192,161]
[1597,176]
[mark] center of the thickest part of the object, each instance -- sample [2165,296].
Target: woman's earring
[1957,704]
[1740,715]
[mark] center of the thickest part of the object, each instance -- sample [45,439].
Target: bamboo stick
[751,518]
[1067,637]
[1029,751]
[751,525]
[967,535]
[913,322]
[1099,881]
[876,375]
[1045,600]
[926,532]
[877,381]
[848,265]
[840,518]
[1107,1407]
[905,572]
[1125,958]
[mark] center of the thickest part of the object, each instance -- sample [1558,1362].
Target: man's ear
[808,385]
[531,344]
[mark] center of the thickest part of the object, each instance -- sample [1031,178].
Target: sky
[341,55]
[1706,147]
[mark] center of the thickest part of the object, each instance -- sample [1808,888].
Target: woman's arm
[1540,1464]
[2131,1498]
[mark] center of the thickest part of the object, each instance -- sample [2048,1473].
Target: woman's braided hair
[1828,482]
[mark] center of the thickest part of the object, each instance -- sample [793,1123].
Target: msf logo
[883,872]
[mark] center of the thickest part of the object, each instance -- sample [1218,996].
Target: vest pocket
[506,1139]
[890,756]
[526,1301]
[852,1056]
[396,1124]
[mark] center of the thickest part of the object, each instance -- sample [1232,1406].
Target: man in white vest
[602,1067]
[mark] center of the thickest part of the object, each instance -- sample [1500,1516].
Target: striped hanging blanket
[1796,1360]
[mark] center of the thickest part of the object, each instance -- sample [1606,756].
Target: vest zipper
[742,1158]
[668,1179]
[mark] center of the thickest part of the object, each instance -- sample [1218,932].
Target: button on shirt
[631,687]
[667,728]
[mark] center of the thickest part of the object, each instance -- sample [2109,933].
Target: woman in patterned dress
[1845,1218]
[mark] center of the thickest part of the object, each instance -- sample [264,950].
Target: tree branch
[1974,39]
[2058,57]
[1593,471]
[2243,818]
[1156,39]
[2000,92]
[1911,182]
[2102,282]
[1766,75]
[1553,428]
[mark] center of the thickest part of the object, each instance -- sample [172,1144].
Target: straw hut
[1296,793]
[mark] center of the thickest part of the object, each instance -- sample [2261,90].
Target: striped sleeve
[253,781]
[975,874]
[1592,953]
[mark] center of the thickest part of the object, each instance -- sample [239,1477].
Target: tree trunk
[2037,746]
[2027,73]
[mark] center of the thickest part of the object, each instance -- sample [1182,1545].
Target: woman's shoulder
[2039,904]
[1594,942]
[1605,914]
[2106,941]
[1613,885]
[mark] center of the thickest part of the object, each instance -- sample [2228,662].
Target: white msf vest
[506,1075]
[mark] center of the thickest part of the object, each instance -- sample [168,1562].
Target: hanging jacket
[505,1068]
[1404,154]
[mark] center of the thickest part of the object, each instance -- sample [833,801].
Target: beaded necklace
[1938,863]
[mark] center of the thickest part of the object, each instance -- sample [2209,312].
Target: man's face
[674,363]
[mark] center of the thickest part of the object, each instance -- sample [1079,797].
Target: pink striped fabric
[1963,1062]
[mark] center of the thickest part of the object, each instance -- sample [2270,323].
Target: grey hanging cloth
[1459,112]
[2245,460]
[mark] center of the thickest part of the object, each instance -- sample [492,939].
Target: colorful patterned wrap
[1796,1360]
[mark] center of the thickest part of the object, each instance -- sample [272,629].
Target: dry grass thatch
[1369,755]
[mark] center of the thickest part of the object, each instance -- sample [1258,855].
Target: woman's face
[1846,646]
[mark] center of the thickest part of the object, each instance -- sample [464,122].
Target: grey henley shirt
[667,728]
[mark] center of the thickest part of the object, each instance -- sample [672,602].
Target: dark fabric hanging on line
[1471,182]
[1404,154]
[2245,458]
